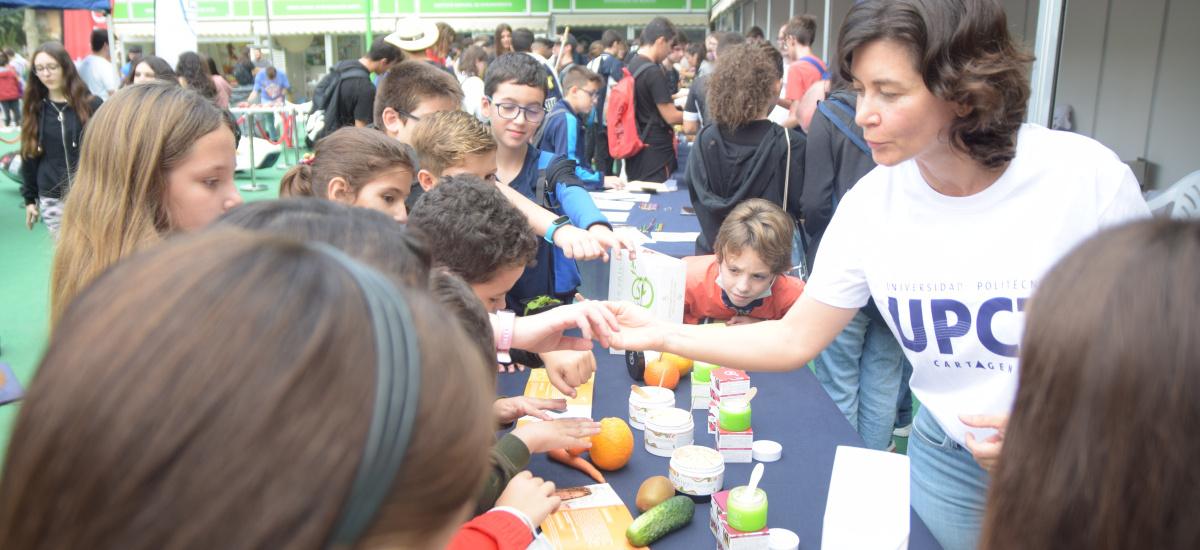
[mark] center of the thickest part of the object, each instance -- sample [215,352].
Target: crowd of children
[331,357]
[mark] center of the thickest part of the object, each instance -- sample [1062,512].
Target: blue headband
[398,385]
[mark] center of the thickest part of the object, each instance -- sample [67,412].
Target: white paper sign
[654,281]
[868,505]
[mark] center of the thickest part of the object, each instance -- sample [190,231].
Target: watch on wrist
[507,319]
[557,223]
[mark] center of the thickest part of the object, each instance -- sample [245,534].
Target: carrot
[576,462]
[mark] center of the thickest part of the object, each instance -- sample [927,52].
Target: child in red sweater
[10,93]
[746,280]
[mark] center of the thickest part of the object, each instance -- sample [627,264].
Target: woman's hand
[640,329]
[544,332]
[31,215]
[986,452]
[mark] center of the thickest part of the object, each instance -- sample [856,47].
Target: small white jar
[660,398]
[697,470]
[667,430]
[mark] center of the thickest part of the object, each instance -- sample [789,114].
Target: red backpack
[624,140]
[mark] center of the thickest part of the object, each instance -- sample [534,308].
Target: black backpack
[324,116]
[539,135]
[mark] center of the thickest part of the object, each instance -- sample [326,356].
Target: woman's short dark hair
[1103,442]
[744,83]
[964,53]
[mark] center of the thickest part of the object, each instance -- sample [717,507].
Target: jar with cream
[697,471]
[733,415]
[658,398]
[667,430]
[747,511]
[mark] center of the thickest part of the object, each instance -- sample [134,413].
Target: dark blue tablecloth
[791,408]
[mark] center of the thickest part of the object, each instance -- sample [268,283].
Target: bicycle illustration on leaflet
[642,290]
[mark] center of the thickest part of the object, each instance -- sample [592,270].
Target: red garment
[434,57]
[801,75]
[493,530]
[702,297]
[10,86]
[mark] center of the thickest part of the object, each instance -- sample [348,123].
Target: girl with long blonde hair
[173,172]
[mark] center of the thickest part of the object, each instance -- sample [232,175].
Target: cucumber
[655,523]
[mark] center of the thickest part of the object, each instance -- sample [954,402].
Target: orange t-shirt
[702,298]
[801,75]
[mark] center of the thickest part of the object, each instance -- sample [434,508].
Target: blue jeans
[948,488]
[861,372]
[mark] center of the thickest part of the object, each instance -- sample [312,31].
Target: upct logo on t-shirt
[958,318]
[272,89]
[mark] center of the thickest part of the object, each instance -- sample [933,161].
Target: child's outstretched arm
[575,242]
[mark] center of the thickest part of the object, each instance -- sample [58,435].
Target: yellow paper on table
[591,517]
[539,386]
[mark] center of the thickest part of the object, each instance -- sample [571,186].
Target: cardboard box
[700,394]
[712,416]
[732,539]
[716,510]
[736,446]
[653,280]
[725,382]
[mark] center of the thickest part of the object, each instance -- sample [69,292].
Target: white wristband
[520,515]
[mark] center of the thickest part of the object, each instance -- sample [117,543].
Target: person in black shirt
[356,97]
[654,107]
[678,45]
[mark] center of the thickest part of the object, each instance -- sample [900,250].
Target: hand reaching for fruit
[543,436]
[509,409]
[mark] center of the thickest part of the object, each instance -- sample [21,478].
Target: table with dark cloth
[791,408]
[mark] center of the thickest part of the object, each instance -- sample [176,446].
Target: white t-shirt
[952,275]
[98,73]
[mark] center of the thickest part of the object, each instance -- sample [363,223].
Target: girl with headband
[245,391]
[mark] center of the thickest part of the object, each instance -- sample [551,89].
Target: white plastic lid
[782,539]
[766,451]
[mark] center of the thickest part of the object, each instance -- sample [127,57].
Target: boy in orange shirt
[746,280]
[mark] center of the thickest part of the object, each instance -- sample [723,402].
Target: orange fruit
[682,363]
[612,447]
[665,371]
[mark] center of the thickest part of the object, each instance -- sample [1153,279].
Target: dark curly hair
[744,83]
[965,55]
[473,229]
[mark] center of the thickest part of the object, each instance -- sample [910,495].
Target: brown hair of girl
[357,155]
[744,84]
[1101,450]
[74,88]
[216,392]
[965,54]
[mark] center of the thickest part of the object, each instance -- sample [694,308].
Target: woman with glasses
[57,106]
[742,154]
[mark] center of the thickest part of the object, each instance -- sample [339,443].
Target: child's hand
[510,409]
[608,239]
[531,495]
[568,370]
[613,182]
[509,368]
[578,244]
[547,435]
[742,320]
[544,331]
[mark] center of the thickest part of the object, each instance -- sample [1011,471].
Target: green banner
[141,10]
[212,8]
[305,8]
[474,6]
[631,4]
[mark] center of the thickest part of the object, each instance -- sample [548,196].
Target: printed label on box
[653,280]
[732,539]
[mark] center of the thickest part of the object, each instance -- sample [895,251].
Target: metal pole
[367,14]
[270,40]
[825,34]
[1045,67]
[113,55]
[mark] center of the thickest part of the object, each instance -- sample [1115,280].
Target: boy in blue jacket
[513,94]
[562,131]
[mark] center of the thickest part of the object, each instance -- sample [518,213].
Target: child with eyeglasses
[563,127]
[513,94]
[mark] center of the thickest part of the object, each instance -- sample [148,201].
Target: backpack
[324,112]
[817,64]
[624,139]
[539,135]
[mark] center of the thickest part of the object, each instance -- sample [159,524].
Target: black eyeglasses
[510,111]
[409,115]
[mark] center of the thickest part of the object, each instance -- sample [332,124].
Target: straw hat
[413,34]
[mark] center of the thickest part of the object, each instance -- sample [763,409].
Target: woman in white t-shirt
[950,235]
